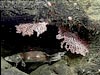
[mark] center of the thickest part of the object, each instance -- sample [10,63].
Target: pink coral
[29,28]
[72,42]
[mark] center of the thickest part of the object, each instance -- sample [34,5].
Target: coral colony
[71,41]
[29,28]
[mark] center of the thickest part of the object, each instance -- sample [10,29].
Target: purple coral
[29,28]
[72,42]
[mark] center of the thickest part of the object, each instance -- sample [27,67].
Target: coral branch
[29,28]
[72,42]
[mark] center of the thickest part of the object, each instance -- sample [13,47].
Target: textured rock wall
[22,11]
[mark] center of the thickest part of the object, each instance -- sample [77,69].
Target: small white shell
[49,3]
[70,18]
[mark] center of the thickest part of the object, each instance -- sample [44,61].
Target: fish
[33,56]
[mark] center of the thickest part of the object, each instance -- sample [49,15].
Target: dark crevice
[16,43]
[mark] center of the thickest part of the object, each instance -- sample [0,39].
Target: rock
[4,64]
[12,71]
[61,68]
[91,7]
[22,10]
[43,70]
[89,70]
[27,11]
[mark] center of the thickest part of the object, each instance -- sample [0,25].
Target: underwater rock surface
[91,7]
[12,71]
[59,68]
[4,64]
[23,11]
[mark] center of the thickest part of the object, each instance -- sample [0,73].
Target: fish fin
[23,63]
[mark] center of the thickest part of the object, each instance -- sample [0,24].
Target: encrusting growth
[29,28]
[71,42]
